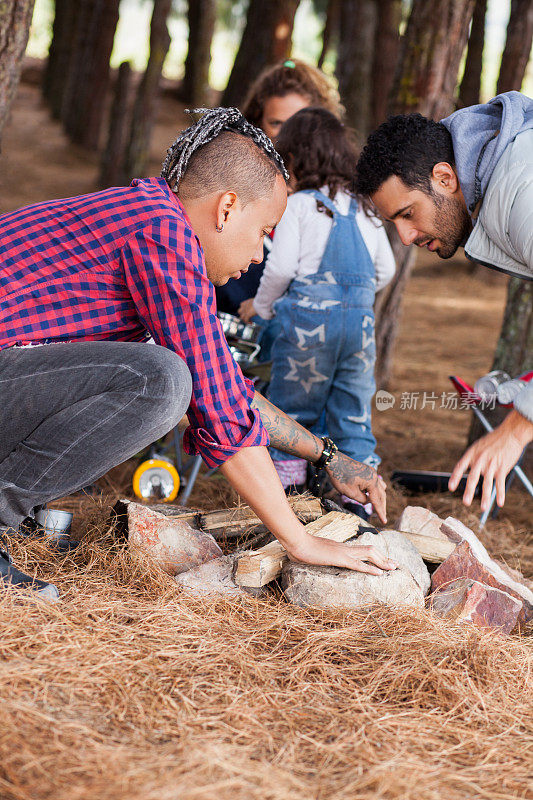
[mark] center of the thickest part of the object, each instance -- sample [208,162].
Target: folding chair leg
[191,480]
[484,517]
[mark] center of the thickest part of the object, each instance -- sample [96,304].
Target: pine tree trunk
[146,101]
[267,39]
[331,29]
[517,46]
[72,56]
[112,164]
[60,54]
[388,307]
[471,84]
[15,21]
[425,81]
[514,351]
[358,23]
[386,46]
[430,54]
[195,84]
[83,103]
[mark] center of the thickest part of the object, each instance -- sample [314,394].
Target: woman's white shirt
[300,241]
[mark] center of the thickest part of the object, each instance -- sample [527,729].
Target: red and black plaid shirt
[123,264]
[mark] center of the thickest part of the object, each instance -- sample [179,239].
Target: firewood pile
[441,563]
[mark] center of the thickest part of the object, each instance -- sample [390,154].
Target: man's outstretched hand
[358,481]
[493,457]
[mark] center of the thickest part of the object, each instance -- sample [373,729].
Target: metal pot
[235,329]
[55,522]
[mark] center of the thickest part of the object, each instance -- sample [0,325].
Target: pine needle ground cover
[130,690]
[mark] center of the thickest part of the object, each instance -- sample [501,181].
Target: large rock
[422,521]
[215,577]
[171,543]
[330,587]
[470,559]
[466,600]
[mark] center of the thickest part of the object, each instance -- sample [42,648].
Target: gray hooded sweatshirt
[493,148]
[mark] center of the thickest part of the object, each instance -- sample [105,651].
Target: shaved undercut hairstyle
[222,151]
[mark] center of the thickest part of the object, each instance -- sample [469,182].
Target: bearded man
[464,181]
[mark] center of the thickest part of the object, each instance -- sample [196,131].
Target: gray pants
[69,412]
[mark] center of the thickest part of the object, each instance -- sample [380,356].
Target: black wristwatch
[330,448]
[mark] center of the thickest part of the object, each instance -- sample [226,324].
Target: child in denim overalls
[323,359]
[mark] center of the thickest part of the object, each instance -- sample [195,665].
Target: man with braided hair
[90,278]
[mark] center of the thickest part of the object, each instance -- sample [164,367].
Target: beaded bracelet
[330,448]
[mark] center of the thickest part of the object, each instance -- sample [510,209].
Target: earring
[219,229]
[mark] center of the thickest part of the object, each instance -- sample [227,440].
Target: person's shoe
[30,529]
[9,574]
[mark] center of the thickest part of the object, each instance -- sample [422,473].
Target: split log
[234,522]
[229,523]
[431,549]
[259,567]
[423,529]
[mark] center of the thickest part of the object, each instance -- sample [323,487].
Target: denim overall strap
[323,358]
[324,199]
[346,259]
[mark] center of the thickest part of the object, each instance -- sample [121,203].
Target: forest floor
[129,689]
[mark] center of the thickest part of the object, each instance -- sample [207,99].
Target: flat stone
[467,600]
[470,559]
[331,587]
[171,543]
[215,577]
[414,518]
[454,528]
[422,521]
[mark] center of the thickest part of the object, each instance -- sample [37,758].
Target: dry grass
[129,689]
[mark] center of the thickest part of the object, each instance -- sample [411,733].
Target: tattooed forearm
[345,470]
[286,434]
